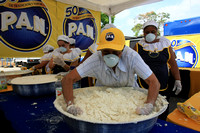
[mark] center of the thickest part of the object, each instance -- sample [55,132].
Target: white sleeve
[88,67]
[72,56]
[93,48]
[46,57]
[141,68]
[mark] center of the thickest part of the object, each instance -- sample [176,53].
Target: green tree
[105,19]
[136,29]
[160,18]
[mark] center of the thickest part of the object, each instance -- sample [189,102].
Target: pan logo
[25,25]
[80,24]
[110,36]
[186,53]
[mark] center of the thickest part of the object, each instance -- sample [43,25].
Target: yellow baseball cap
[111,38]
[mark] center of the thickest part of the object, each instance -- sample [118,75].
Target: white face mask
[111,60]
[62,49]
[150,37]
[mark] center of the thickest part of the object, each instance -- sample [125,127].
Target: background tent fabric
[110,7]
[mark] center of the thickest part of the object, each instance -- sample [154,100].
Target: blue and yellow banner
[79,23]
[28,25]
[187,49]
[15,4]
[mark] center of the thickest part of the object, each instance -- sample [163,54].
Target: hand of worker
[32,68]
[74,110]
[146,109]
[177,87]
[59,61]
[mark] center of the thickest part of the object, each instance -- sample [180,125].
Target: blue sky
[178,9]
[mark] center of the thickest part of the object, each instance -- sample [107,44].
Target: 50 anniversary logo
[25,25]
[80,24]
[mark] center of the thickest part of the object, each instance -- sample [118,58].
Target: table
[194,75]
[181,119]
[38,115]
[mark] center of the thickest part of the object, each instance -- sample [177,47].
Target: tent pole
[110,19]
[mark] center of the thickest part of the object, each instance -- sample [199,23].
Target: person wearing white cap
[44,60]
[72,42]
[64,58]
[115,65]
[157,54]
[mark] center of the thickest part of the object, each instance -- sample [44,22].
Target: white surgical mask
[62,49]
[111,60]
[150,37]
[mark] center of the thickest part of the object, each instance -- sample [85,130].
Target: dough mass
[111,104]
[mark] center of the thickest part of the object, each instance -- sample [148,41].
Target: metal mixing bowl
[82,126]
[18,73]
[34,89]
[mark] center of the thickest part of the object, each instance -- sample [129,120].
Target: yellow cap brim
[110,46]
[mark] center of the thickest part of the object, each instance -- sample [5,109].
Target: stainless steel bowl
[34,89]
[18,73]
[81,126]
[25,86]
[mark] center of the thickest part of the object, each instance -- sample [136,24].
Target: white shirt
[70,57]
[129,64]
[73,55]
[46,57]
[157,46]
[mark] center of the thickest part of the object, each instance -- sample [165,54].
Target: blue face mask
[150,37]
[63,49]
[111,60]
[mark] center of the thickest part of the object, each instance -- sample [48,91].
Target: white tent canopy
[109,7]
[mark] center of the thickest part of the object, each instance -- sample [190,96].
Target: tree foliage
[105,19]
[160,18]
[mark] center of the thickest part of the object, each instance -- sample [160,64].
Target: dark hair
[51,50]
[151,25]
[66,42]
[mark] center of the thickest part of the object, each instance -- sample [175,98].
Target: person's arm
[134,48]
[41,65]
[75,63]
[175,72]
[152,95]
[88,54]
[67,89]
[59,61]
[66,67]
[143,70]
[67,86]
[174,68]
[153,90]
[51,64]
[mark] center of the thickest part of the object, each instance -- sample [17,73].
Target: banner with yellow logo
[79,23]
[28,25]
[186,49]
